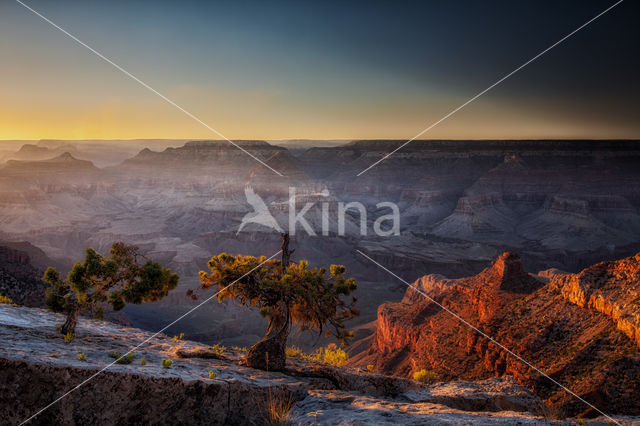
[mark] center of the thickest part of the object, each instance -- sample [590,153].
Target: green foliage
[370,368]
[143,361]
[117,280]
[82,357]
[127,359]
[335,356]
[580,421]
[176,338]
[314,356]
[218,349]
[331,355]
[425,376]
[57,295]
[69,337]
[4,300]
[312,298]
[212,374]
[294,352]
[167,363]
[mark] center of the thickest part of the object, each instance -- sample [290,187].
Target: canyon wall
[559,204]
[580,329]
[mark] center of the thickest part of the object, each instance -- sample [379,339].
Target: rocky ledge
[612,288]
[580,329]
[37,366]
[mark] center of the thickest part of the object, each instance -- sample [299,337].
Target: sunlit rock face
[580,328]
[612,288]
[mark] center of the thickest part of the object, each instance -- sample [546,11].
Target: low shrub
[176,338]
[212,374]
[425,376]
[370,368]
[314,356]
[293,352]
[218,349]
[335,356]
[143,361]
[82,357]
[332,355]
[167,363]
[69,337]
[127,359]
[4,300]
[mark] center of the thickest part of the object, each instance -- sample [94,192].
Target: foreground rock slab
[37,367]
[328,407]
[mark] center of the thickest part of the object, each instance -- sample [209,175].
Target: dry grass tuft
[277,407]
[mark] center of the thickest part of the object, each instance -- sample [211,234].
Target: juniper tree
[285,293]
[123,277]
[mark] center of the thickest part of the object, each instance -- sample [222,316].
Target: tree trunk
[286,253]
[69,325]
[269,353]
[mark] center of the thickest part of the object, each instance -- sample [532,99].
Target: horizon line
[319,139]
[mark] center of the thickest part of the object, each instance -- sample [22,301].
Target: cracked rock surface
[37,366]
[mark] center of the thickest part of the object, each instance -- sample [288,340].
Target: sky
[319,70]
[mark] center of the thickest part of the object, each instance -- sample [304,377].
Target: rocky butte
[581,329]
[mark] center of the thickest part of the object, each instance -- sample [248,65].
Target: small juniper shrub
[167,363]
[212,374]
[425,376]
[218,349]
[82,357]
[143,361]
[127,359]
[69,337]
[370,368]
[179,337]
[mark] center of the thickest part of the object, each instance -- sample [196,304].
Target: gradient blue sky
[323,70]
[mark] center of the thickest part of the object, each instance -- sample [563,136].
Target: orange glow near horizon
[160,121]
